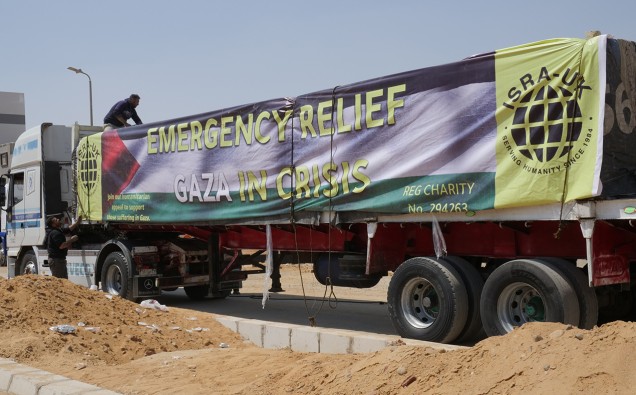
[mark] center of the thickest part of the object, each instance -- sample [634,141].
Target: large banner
[516,127]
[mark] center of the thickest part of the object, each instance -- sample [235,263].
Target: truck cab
[39,184]
[121,258]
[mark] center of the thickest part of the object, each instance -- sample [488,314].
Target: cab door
[16,215]
[33,218]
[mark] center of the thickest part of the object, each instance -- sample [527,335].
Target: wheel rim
[520,303]
[420,303]
[29,267]
[112,284]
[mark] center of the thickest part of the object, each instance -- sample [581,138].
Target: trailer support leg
[587,228]
[275,276]
[372,227]
[214,263]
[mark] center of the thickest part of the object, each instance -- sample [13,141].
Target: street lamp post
[90,88]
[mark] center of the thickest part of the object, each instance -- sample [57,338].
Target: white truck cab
[39,184]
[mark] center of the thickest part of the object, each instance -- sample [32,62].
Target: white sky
[189,57]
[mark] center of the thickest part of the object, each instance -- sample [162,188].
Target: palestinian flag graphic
[118,167]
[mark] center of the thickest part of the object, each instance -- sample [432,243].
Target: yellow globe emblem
[88,171]
[546,123]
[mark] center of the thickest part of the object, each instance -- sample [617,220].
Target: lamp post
[90,88]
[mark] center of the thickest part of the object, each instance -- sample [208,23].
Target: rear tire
[220,294]
[588,303]
[197,292]
[620,308]
[116,276]
[474,283]
[524,290]
[427,300]
[28,264]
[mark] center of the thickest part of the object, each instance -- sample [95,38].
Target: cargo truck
[496,190]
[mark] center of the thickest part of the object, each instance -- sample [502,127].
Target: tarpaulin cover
[516,127]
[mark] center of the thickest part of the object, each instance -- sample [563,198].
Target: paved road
[360,315]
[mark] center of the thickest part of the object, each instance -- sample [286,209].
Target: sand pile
[127,348]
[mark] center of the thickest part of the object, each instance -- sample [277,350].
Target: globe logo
[88,172]
[546,123]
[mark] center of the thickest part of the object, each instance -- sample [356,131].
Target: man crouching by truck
[58,244]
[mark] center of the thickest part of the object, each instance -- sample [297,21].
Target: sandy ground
[122,346]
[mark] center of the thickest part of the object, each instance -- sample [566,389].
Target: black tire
[427,300]
[28,264]
[197,292]
[220,294]
[588,303]
[116,276]
[525,290]
[620,308]
[474,283]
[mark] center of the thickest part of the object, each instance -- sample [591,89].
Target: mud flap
[146,286]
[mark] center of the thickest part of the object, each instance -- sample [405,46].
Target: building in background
[12,119]
[12,124]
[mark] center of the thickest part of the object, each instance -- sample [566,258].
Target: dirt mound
[108,330]
[143,351]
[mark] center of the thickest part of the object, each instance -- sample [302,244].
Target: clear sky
[189,57]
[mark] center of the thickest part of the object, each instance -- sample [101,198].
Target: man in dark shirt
[121,112]
[58,244]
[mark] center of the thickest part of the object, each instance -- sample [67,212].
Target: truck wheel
[220,294]
[474,283]
[116,276]
[588,303]
[427,300]
[619,309]
[197,292]
[523,291]
[28,264]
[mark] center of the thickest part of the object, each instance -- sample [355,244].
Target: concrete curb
[275,335]
[23,380]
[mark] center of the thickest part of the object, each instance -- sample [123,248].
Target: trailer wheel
[28,264]
[220,294]
[522,291]
[197,292]
[116,276]
[620,307]
[474,283]
[588,303]
[427,300]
